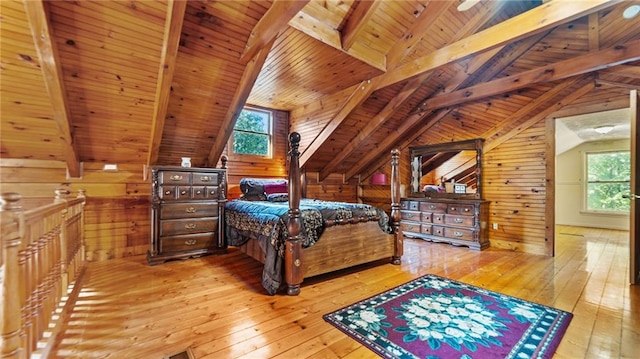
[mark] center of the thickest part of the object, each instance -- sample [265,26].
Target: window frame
[269,134]
[586,182]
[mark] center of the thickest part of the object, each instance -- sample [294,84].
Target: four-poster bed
[294,243]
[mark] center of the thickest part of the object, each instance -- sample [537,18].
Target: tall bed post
[293,249]
[395,206]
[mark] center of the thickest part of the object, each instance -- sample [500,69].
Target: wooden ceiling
[151,81]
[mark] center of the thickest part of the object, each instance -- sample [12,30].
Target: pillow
[253,197]
[278,197]
[255,186]
[271,188]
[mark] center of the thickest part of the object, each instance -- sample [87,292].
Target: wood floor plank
[216,306]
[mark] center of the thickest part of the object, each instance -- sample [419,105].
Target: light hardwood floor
[216,306]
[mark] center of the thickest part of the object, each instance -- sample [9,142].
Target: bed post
[293,249]
[395,206]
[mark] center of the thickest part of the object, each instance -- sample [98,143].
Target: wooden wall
[117,209]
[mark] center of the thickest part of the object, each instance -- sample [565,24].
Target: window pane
[253,121]
[250,144]
[613,166]
[608,197]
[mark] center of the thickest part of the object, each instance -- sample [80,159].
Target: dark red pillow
[271,188]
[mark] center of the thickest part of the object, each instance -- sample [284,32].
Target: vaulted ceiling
[152,81]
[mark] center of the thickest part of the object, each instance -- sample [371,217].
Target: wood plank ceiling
[151,81]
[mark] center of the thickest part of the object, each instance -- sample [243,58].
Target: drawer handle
[190,242]
[458,220]
[466,209]
[190,210]
[431,206]
[190,226]
[198,192]
[183,192]
[457,234]
[212,192]
[452,209]
[176,178]
[205,178]
[410,215]
[167,192]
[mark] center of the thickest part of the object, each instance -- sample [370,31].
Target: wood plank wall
[117,209]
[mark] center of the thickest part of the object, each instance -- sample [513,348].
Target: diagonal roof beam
[414,84]
[462,77]
[42,33]
[170,42]
[320,31]
[592,61]
[274,21]
[249,76]
[358,21]
[536,20]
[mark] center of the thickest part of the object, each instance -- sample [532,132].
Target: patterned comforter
[267,222]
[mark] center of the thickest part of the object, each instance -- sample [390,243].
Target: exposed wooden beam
[358,21]
[42,33]
[273,22]
[602,82]
[592,61]
[415,84]
[249,76]
[170,44]
[428,16]
[322,32]
[359,95]
[536,20]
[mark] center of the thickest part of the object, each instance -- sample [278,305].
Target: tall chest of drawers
[187,213]
[456,221]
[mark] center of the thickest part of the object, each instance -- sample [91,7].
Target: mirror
[452,169]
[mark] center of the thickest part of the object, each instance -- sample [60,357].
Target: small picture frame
[459,188]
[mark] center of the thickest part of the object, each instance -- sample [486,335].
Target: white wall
[569,192]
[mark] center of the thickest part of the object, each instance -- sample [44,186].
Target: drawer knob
[190,210]
[176,178]
[190,226]
[205,178]
[457,234]
[198,192]
[453,209]
[190,242]
[466,209]
[212,192]
[183,192]
[167,192]
[458,220]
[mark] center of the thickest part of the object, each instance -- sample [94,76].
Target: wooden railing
[41,263]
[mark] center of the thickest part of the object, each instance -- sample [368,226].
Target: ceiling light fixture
[603,129]
[467,4]
[631,12]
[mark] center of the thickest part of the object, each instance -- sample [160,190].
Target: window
[608,175]
[252,133]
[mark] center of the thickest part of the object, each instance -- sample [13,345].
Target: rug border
[561,323]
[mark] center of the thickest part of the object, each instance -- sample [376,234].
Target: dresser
[460,222]
[187,213]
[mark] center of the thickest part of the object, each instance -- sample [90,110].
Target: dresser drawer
[170,227]
[167,193]
[410,215]
[438,218]
[433,207]
[407,226]
[466,209]
[188,242]
[212,191]
[426,217]
[174,177]
[438,231]
[188,210]
[458,233]
[204,179]
[459,220]
[426,228]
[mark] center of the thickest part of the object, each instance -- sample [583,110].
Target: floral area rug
[434,317]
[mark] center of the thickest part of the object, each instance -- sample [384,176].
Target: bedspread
[267,222]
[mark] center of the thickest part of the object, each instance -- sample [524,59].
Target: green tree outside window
[252,133]
[608,176]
